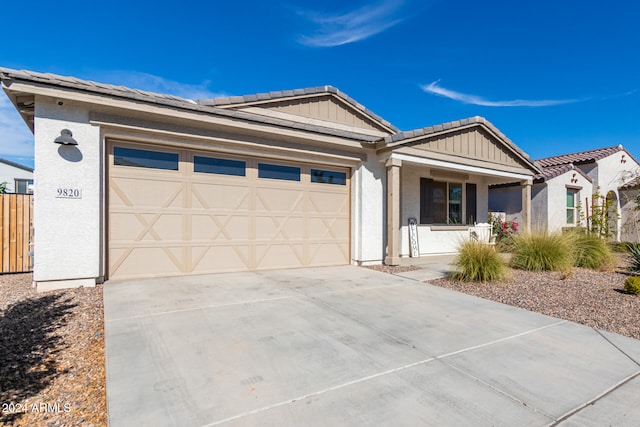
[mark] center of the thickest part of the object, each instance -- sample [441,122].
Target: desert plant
[632,285]
[590,251]
[478,262]
[634,251]
[620,247]
[603,213]
[542,252]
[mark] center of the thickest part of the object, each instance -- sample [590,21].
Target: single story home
[17,178]
[562,192]
[133,184]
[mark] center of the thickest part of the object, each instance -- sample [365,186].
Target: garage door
[174,212]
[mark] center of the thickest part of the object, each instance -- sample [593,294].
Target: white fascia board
[458,167]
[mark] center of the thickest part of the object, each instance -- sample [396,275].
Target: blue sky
[554,76]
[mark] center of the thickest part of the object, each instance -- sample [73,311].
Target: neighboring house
[19,178]
[562,192]
[159,185]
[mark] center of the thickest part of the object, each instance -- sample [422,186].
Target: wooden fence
[16,230]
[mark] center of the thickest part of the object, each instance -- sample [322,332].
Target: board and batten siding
[324,108]
[474,147]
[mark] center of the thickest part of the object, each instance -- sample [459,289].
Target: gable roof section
[401,139]
[580,157]
[271,99]
[7,76]
[554,171]
[16,165]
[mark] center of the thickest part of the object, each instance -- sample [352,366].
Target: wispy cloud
[157,84]
[436,89]
[16,138]
[352,26]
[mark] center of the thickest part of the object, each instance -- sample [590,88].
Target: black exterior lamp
[65,138]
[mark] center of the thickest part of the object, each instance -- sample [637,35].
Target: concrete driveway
[347,346]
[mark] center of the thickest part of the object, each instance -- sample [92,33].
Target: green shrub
[634,251]
[632,285]
[621,247]
[590,251]
[478,262]
[505,244]
[543,252]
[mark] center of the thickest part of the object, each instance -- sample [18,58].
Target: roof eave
[173,103]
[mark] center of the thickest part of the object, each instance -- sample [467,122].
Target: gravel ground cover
[52,370]
[592,298]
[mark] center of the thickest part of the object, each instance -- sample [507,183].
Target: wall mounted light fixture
[65,138]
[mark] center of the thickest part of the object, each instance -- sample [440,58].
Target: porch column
[393,211]
[526,205]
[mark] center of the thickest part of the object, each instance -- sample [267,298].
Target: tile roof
[580,157]
[7,75]
[426,131]
[277,95]
[16,165]
[631,185]
[554,171]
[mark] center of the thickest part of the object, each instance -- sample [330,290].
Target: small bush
[542,252]
[621,247]
[505,245]
[478,262]
[632,285]
[590,251]
[634,251]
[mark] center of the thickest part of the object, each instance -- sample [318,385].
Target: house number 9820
[69,193]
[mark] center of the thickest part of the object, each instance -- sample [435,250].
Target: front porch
[440,185]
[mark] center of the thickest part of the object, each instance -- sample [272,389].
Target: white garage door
[174,212]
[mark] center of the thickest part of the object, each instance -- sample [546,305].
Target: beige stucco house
[133,184]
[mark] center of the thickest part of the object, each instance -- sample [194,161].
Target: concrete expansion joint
[594,400]
[510,337]
[616,347]
[346,291]
[498,390]
[606,392]
[207,307]
[417,279]
[383,373]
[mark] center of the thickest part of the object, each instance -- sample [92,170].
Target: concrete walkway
[431,267]
[348,346]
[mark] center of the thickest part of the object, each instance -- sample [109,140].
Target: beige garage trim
[176,222]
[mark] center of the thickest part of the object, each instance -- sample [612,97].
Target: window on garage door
[271,171]
[145,158]
[321,176]
[219,166]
